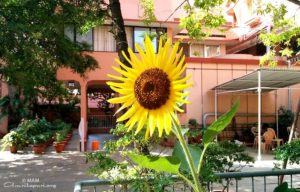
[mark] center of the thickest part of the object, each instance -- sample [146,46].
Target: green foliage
[17,107]
[289,151]
[61,130]
[103,163]
[157,183]
[13,138]
[106,167]
[214,129]
[195,154]
[59,136]
[127,138]
[283,187]
[34,46]
[202,17]
[222,157]
[169,164]
[283,32]
[285,117]
[40,138]
[148,14]
[36,131]
[193,123]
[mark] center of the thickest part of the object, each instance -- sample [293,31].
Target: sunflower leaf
[214,129]
[194,151]
[168,164]
[284,188]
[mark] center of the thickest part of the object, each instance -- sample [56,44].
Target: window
[200,50]
[103,39]
[139,35]
[197,50]
[212,50]
[87,38]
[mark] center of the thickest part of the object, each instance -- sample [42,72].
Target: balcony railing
[101,121]
[234,181]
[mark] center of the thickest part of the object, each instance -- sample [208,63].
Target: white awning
[261,80]
[271,79]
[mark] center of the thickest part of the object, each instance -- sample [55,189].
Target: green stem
[187,181]
[195,176]
[201,159]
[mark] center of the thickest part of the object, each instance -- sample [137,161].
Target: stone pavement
[50,172]
[53,172]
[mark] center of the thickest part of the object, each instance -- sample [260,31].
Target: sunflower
[151,88]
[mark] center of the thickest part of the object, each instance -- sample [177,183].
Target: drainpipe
[289,89]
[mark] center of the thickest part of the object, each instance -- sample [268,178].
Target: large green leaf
[284,188]
[194,151]
[168,164]
[214,129]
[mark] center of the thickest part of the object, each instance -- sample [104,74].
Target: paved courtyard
[52,172]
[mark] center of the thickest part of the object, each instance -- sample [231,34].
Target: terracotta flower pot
[59,147]
[38,149]
[13,149]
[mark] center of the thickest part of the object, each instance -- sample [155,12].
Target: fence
[234,181]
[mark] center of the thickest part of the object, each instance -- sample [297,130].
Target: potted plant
[193,124]
[285,119]
[39,143]
[15,140]
[58,143]
[194,133]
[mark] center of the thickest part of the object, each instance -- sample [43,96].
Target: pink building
[224,56]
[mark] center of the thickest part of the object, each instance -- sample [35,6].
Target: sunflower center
[152,88]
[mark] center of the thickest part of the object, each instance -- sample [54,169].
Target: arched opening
[100,115]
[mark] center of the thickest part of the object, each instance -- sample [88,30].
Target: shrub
[289,151]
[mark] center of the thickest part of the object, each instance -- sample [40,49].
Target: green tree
[34,46]
[283,36]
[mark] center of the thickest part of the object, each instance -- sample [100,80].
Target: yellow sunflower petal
[179,67]
[126,104]
[117,77]
[120,99]
[183,80]
[182,86]
[122,91]
[152,123]
[160,123]
[128,113]
[167,123]
[171,58]
[142,121]
[149,50]
[126,74]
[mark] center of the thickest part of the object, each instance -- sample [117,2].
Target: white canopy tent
[258,81]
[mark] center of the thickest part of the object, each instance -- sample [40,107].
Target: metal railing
[234,181]
[101,121]
[257,180]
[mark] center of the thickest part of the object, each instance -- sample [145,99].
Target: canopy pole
[216,104]
[259,114]
[276,112]
[216,108]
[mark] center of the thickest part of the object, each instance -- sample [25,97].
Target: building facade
[227,54]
